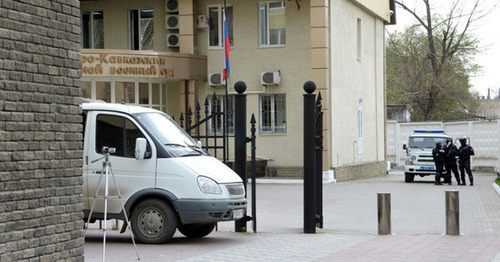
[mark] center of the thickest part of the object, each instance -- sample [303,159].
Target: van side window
[117,132]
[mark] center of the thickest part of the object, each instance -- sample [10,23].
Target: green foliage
[432,78]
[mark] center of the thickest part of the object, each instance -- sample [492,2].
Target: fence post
[240,137]
[452,213]
[207,123]
[197,121]
[384,213]
[181,119]
[189,119]
[309,158]
[254,196]
[319,162]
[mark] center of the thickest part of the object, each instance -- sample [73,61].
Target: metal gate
[211,130]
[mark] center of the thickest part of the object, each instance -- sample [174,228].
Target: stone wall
[288,172]
[342,174]
[360,171]
[40,131]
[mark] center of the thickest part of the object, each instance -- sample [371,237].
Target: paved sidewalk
[350,227]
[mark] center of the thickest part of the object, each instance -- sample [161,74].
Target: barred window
[272,114]
[216,125]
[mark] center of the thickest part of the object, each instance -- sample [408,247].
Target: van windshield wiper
[198,151]
[173,144]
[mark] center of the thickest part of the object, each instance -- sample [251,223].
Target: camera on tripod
[106,150]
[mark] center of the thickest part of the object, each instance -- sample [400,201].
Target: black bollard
[240,148]
[309,158]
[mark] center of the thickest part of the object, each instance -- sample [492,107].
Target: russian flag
[227,49]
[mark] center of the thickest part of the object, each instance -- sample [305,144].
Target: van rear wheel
[409,177]
[196,230]
[153,222]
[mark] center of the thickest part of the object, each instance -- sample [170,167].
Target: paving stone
[350,227]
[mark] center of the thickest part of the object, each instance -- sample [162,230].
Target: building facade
[168,55]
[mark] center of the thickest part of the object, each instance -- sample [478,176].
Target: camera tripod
[106,170]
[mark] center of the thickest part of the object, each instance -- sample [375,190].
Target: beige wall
[356,82]
[379,7]
[326,53]
[248,60]
[116,21]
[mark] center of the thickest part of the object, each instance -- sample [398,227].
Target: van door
[120,131]
[86,130]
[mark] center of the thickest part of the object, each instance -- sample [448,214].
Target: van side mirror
[140,148]
[404,147]
[198,143]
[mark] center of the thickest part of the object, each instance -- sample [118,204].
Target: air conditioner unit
[173,40]
[270,78]
[171,6]
[216,80]
[172,22]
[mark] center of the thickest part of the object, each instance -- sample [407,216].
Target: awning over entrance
[147,64]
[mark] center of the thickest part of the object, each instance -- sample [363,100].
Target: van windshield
[426,142]
[169,134]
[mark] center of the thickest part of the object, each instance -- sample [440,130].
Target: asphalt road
[350,230]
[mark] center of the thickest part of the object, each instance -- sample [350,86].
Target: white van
[170,184]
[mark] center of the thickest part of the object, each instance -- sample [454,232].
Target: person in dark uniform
[464,153]
[451,153]
[439,157]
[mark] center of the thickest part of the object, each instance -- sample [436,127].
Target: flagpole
[226,139]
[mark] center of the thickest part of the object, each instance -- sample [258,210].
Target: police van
[166,181]
[419,159]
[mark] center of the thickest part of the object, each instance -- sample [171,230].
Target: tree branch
[413,13]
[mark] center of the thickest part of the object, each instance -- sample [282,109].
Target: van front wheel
[196,230]
[153,222]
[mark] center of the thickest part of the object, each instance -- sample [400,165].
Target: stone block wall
[360,171]
[287,172]
[40,131]
[342,174]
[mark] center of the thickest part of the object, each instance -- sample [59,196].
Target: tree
[429,64]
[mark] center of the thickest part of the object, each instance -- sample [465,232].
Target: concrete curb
[496,187]
[277,181]
[328,178]
[283,181]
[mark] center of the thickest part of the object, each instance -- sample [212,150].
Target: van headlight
[412,159]
[209,186]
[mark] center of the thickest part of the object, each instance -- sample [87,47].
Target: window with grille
[272,109]
[216,124]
